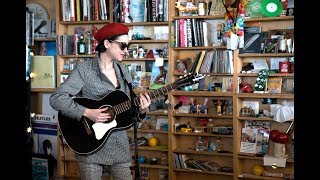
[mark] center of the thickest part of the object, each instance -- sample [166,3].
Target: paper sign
[159,62]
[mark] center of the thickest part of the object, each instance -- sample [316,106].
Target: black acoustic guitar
[86,136]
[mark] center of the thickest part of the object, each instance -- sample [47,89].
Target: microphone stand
[134,112]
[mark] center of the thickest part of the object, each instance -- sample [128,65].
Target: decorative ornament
[261,80]
[271,8]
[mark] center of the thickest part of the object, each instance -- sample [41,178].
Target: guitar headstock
[190,79]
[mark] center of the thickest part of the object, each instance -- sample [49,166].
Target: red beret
[110,30]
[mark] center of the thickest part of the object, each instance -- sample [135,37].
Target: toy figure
[193,107]
[204,107]
[161,78]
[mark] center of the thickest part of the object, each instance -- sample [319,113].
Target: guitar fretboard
[126,105]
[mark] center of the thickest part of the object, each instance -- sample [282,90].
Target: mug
[279,150]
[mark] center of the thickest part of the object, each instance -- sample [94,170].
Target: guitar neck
[126,105]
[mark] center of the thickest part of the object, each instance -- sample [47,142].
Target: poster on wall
[43,72]
[45,130]
[42,23]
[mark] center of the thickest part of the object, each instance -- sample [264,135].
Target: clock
[42,24]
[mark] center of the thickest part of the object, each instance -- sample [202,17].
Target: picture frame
[40,167]
[43,73]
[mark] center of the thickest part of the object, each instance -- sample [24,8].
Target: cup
[279,150]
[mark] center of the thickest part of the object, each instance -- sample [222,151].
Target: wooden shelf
[211,74]
[201,93]
[44,90]
[200,171]
[199,48]
[218,16]
[201,152]
[258,158]
[280,18]
[148,41]
[154,166]
[265,55]
[83,22]
[265,95]
[270,75]
[149,131]
[151,148]
[175,114]
[257,119]
[201,134]
[44,39]
[165,23]
[251,176]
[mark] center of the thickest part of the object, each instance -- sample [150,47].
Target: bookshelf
[242,161]
[184,143]
[67,164]
[180,142]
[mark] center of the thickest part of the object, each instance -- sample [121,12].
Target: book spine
[78,9]
[194,32]
[161,10]
[201,32]
[72,10]
[189,32]
[203,53]
[176,33]
[154,10]
[85,10]
[183,33]
[205,33]
[96,10]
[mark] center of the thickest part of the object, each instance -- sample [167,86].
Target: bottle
[229,108]
[89,48]
[200,144]
[210,126]
[81,45]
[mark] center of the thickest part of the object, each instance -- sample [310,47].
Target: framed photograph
[40,168]
[43,72]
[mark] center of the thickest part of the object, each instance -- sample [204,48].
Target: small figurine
[187,8]
[161,78]
[141,52]
[204,107]
[193,107]
[219,107]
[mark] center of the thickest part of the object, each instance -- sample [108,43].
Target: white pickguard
[100,128]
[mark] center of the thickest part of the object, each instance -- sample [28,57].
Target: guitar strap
[124,78]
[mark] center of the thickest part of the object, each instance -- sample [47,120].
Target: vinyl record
[253,8]
[271,8]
